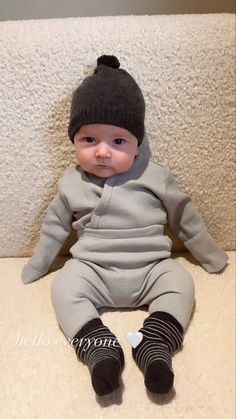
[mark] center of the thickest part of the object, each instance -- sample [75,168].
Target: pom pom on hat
[109,60]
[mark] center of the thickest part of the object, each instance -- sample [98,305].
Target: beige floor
[41,378]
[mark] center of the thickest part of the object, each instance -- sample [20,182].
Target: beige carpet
[41,377]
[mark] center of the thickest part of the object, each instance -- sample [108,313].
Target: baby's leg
[77,292]
[169,292]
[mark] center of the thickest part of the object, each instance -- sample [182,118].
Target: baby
[118,201]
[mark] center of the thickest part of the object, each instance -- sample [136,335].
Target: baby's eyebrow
[84,135]
[87,135]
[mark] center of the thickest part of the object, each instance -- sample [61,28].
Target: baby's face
[105,150]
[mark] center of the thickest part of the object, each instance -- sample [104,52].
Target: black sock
[162,336]
[98,348]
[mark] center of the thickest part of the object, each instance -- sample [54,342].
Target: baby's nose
[103,151]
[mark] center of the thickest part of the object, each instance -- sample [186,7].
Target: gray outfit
[122,257]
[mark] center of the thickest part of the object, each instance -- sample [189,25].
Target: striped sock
[162,336]
[98,348]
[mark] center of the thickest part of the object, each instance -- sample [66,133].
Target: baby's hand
[30,274]
[222,269]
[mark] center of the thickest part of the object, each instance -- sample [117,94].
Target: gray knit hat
[110,96]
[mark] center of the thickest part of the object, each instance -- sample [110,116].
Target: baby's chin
[102,171]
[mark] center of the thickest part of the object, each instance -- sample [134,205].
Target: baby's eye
[119,141]
[89,139]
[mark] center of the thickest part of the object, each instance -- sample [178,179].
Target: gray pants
[81,288]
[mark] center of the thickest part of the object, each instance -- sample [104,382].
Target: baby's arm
[185,220]
[54,232]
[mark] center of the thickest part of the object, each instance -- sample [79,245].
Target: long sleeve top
[132,208]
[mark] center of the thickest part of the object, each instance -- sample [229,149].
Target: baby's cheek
[129,162]
[125,165]
[81,156]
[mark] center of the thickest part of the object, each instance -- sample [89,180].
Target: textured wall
[185,67]
[44,9]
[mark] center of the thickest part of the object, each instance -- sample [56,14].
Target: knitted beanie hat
[110,96]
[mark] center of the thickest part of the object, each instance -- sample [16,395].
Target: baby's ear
[137,152]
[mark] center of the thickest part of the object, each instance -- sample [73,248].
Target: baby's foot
[105,375]
[98,348]
[162,336]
